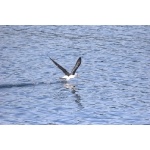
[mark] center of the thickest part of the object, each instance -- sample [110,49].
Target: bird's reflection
[70,86]
[73,91]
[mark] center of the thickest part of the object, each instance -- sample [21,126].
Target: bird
[68,75]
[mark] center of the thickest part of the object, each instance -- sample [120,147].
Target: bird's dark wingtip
[50,58]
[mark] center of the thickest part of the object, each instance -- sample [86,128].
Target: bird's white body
[67,78]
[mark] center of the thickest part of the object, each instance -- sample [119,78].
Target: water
[114,78]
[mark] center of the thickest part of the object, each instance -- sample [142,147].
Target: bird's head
[76,75]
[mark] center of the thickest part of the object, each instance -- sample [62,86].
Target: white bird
[68,75]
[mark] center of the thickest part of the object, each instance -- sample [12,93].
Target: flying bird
[68,75]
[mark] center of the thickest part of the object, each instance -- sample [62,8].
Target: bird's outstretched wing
[78,63]
[60,67]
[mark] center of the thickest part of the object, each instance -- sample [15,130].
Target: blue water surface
[113,86]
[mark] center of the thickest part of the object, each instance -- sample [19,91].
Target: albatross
[68,75]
